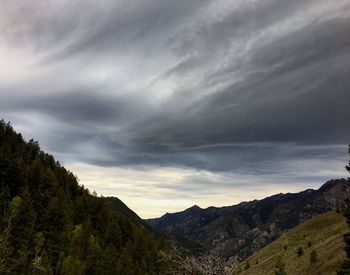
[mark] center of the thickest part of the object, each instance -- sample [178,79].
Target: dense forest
[52,225]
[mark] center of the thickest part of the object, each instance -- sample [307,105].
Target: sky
[166,104]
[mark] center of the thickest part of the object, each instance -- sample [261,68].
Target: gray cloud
[284,98]
[83,105]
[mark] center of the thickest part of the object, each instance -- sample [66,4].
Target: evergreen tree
[313,257]
[300,251]
[16,240]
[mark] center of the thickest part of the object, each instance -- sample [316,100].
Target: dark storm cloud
[205,84]
[101,30]
[83,106]
[295,90]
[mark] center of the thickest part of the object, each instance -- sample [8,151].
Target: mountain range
[236,232]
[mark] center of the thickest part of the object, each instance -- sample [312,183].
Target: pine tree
[125,262]
[313,257]
[300,251]
[16,240]
[94,258]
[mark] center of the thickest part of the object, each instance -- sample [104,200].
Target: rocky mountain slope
[238,231]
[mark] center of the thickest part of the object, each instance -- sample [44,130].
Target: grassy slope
[326,235]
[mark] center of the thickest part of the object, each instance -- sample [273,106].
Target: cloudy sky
[167,104]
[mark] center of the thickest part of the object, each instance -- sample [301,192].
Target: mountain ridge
[239,230]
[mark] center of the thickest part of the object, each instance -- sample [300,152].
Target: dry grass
[325,232]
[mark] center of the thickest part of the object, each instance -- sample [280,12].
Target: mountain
[237,231]
[121,207]
[322,234]
[52,225]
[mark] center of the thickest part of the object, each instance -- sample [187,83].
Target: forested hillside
[51,225]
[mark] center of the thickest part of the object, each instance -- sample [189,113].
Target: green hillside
[323,234]
[49,224]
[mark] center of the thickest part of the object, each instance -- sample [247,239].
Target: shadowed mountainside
[238,231]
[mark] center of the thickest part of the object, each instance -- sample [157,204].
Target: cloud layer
[229,89]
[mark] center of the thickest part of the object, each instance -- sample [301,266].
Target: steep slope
[240,230]
[49,224]
[323,234]
[121,207]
